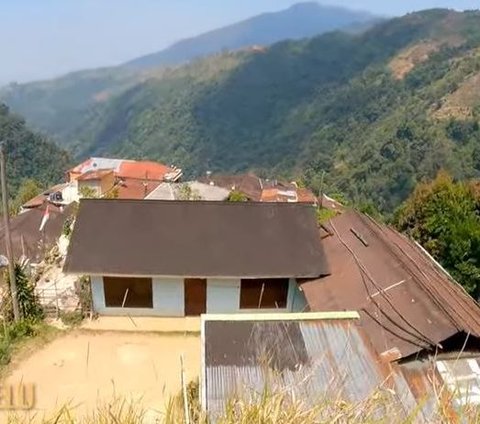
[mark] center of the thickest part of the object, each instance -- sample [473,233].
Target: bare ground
[85,368]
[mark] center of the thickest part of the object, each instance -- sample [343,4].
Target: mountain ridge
[301,20]
[302,108]
[56,106]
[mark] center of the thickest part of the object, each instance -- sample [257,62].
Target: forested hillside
[29,155]
[58,107]
[376,112]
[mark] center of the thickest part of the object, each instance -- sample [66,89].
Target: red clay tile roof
[143,170]
[406,300]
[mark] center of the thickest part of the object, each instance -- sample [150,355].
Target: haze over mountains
[56,106]
[299,21]
[377,111]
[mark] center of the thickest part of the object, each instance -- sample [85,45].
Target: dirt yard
[84,368]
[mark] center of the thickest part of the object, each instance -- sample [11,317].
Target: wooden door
[195,296]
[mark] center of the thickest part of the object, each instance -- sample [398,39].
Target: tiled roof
[126,168]
[143,170]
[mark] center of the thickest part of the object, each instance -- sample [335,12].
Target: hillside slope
[299,21]
[58,106]
[377,112]
[29,155]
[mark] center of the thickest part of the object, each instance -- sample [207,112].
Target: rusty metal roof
[407,301]
[310,359]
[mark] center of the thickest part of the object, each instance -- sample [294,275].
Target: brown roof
[195,239]
[128,188]
[406,300]
[248,184]
[26,237]
[40,199]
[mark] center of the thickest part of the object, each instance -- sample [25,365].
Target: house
[98,182]
[262,190]
[327,358]
[127,169]
[190,190]
[177,258]
[413,335]
[53,195]
[27,239]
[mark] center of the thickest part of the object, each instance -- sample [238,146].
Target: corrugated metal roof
[312,360]
[407,302]
[93,164]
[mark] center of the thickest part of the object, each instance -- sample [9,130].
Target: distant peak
[306,5]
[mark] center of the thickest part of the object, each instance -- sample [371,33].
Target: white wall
[168,296]
[223,295]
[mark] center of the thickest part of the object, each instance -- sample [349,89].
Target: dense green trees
[29,155]
[331,104]
[444,216]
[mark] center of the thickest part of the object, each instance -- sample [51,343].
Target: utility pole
[8,237]
[321,189]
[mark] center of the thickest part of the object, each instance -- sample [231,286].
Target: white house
[183,258]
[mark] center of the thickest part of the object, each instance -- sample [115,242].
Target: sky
[46,38]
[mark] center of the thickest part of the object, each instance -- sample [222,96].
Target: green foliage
[185,192]
[83,289]
[72,319]
[28,189]
[324,215]
[28,304]
[86,192]
[329,106]
[237,196]
[29,156]
[67,226]
[444,216]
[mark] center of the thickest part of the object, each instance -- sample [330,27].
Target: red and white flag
[45,218]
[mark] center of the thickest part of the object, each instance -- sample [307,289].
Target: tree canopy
[444,217]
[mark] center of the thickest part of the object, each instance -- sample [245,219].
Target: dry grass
[267,408]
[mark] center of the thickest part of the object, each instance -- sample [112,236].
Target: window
[128,292]
[264,294]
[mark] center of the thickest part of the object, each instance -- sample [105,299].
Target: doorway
[195,296]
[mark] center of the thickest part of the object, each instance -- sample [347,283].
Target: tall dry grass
[265,408]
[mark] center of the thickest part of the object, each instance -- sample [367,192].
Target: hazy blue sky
[45,38]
